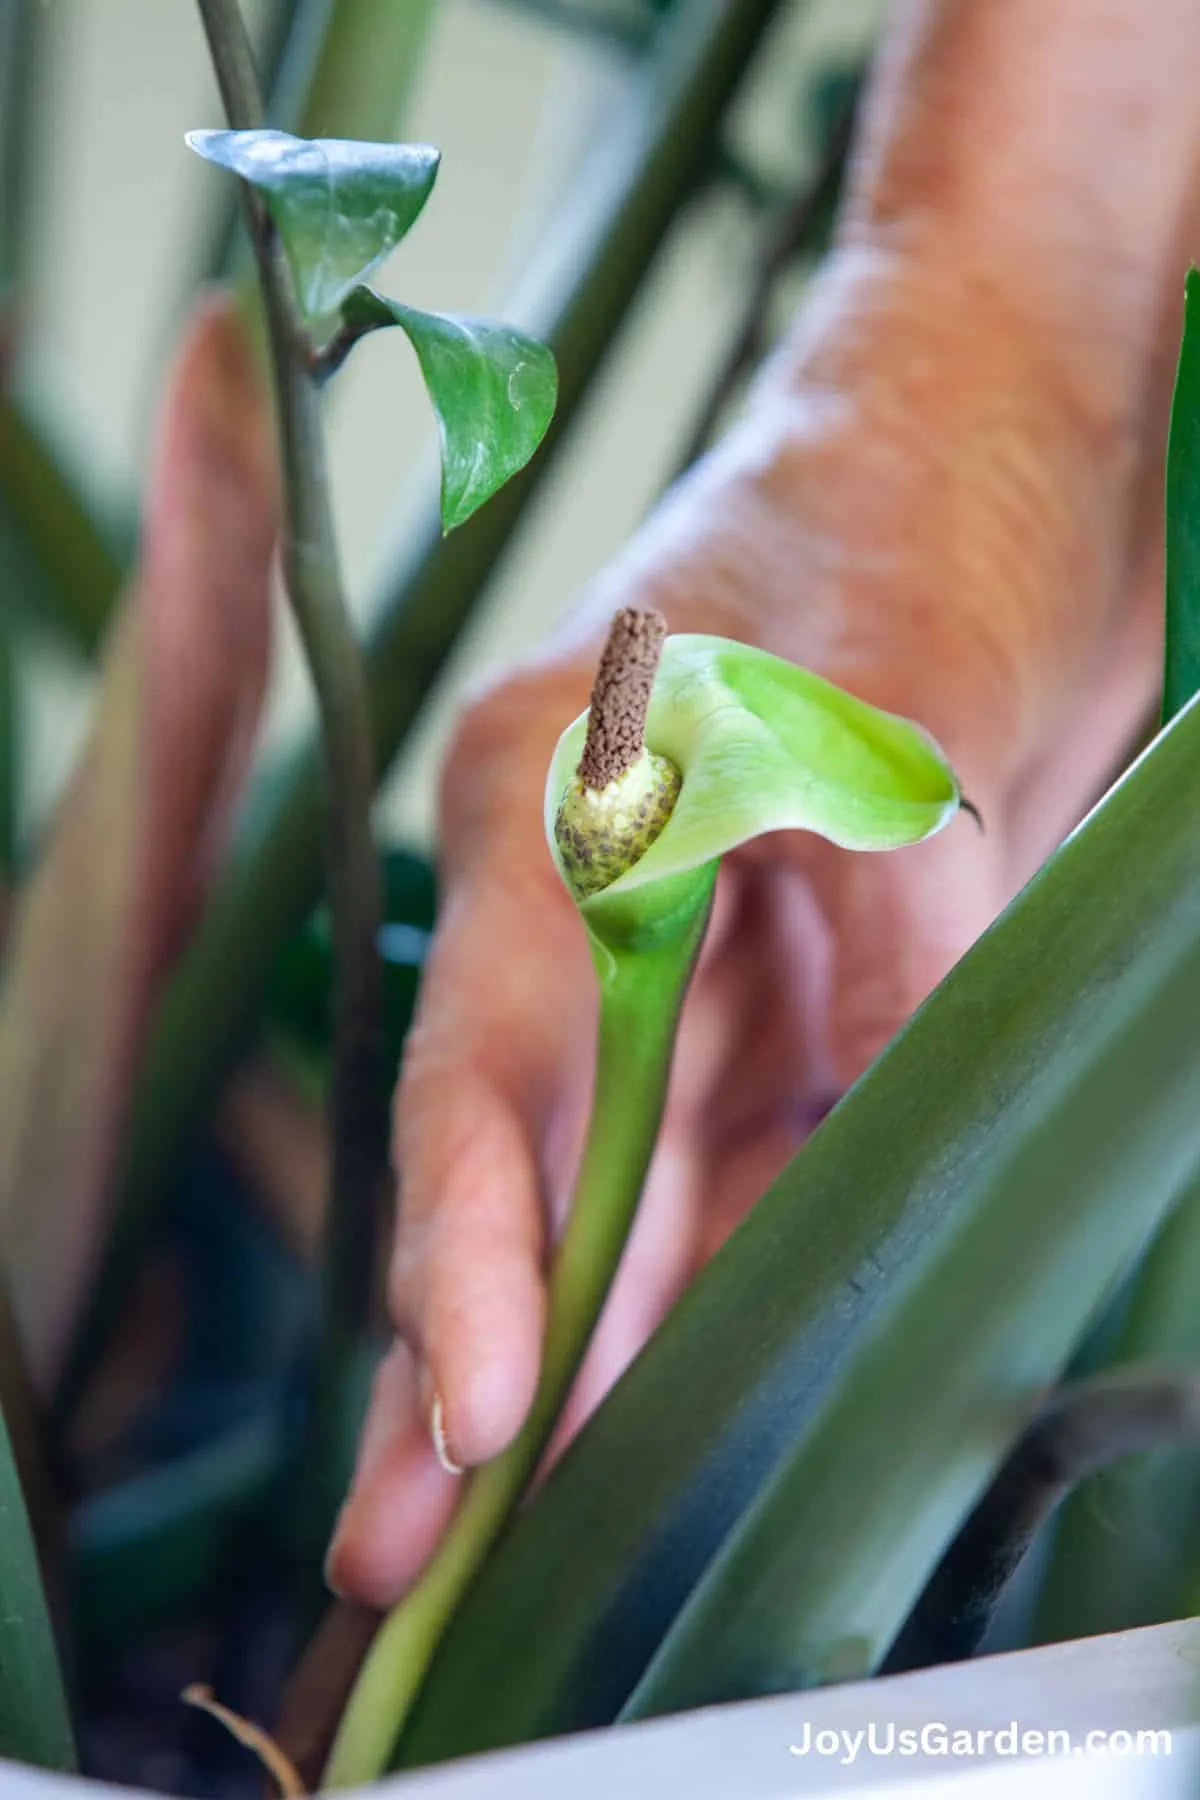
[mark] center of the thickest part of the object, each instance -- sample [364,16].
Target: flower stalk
[644,956]
[673,764]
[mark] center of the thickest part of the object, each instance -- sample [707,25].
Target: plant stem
[1081,1430]
[287,42]
[574,298]
[10,762]
[21,27]
[641,992]
[1126,1550]
[358,1100]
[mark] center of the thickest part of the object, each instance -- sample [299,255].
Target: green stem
[641,992]
[19,25]
[1082,1429]
[10,761]
[358,1101]
[361,83]
[286,49]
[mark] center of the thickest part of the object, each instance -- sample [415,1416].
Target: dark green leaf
[875,1332]
[493,390]
[1127,1548]
[34,1724]
[1182,673]
[142,1552]
[10,753]
[340,206]
[62,560]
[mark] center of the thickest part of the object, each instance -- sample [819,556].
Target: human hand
[952,531]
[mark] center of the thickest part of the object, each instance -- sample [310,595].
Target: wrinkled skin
[943,495]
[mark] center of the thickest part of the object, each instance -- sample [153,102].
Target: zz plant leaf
[646,791]
[34,1718]
[340,206]
[492,387]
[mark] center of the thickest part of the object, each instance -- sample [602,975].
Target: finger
[400,1498]
[503,1027]
[898,923]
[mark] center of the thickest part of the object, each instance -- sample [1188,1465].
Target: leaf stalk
[358,1101]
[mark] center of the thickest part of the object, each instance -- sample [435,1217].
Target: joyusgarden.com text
[937,1738]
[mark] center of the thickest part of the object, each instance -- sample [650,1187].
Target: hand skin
[945,495]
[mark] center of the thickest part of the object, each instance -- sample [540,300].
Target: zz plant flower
[689,747]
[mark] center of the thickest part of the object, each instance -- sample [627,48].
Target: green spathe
[765,746]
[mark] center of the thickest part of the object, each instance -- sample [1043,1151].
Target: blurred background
[523,101]
[646,183]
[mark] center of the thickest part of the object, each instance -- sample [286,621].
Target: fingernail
[437,1431]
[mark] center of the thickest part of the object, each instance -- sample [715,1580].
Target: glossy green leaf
[35,1726]
[1182,672]
[875,1332]
[341,206]
[492,387]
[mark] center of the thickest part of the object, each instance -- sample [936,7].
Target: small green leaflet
[493,390]
[1182,670]
[340,206]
